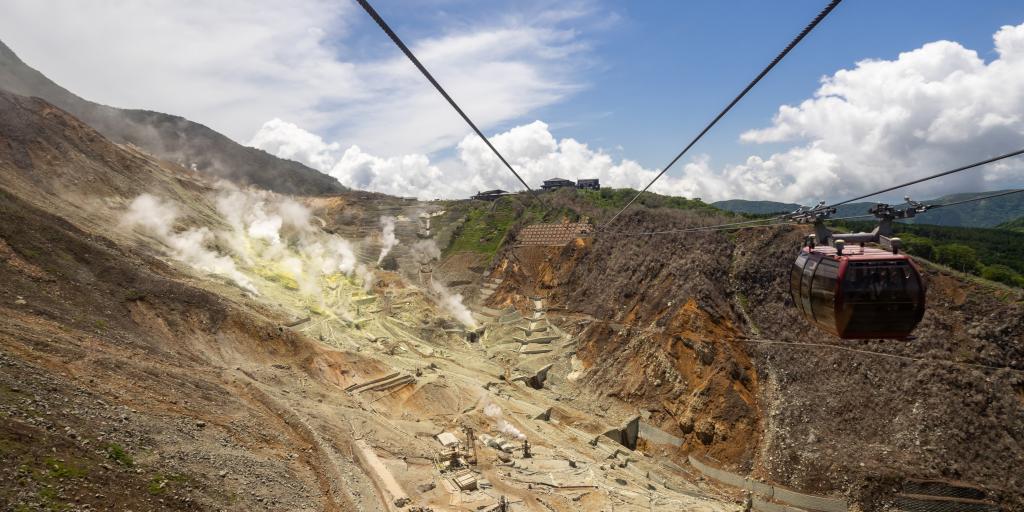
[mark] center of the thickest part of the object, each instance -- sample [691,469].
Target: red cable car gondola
[858,292]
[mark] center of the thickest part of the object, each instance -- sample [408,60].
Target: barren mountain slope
[170,137]
[688,327]
[124,385]
[135,376]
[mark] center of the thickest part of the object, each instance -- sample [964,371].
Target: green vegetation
[1013,225]
[1003,274]
[117,454]
[60,469]
[959,257]
[486,224]
[994,254]
[49,499]
[160,483]
[615,198]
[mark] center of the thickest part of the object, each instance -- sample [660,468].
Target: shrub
[117,454]
[958,256]
[1003,274]
[919,246]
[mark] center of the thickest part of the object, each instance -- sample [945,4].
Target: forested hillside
[996,254]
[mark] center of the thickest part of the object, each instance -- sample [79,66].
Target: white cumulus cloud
[323,64]
[887,121]
[866,128]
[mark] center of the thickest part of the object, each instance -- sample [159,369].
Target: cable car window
[885,281]
[823,292]
[805,284]
[882,296]
[794,280]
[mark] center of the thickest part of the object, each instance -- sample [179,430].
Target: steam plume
[425,251]
[388,240]
[270,233]
[452,303]
[156,217]
[493,411]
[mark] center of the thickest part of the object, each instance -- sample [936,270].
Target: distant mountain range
[988,213]
[170,137]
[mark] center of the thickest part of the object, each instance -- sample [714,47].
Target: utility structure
[470,446]
[424,226]
[387,302]
[426,268]
[854,291]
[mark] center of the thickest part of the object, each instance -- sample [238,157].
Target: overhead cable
[792,44]
[932,177]
[768,222]
[408,53]
[757,223]
[982,198]
[943,205]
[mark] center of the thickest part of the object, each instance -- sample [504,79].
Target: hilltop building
[557,183]
[489,195]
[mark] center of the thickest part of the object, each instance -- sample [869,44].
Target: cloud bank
[323,64]
[867,127]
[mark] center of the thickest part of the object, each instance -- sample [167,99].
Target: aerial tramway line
[852,285]
[854,290]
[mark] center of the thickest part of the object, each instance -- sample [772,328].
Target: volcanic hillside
[698,331]
[158,351]
[173,342]
[170,137]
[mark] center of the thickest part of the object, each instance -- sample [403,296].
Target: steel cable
[926,178]
[761,223]
[416,62]
[778,58]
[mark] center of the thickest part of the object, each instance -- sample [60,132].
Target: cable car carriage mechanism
[852,290]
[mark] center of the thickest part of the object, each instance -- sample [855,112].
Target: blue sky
[582,88]
[662,69]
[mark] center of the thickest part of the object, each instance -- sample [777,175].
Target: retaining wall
[765,492]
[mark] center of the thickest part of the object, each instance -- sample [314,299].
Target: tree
[919,246]
[1002,274]
[958,256]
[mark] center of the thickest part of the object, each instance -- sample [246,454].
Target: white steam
[452,303]
[387,237]
[493,411]
[425,251]
[271,235]
[366,275]
[156,218]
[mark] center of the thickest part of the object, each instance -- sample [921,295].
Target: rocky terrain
[169,341]
[139,372]
[699,332]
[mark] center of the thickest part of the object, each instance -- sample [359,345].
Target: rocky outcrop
[699,332]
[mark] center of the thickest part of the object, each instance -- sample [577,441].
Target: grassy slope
[486,224]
